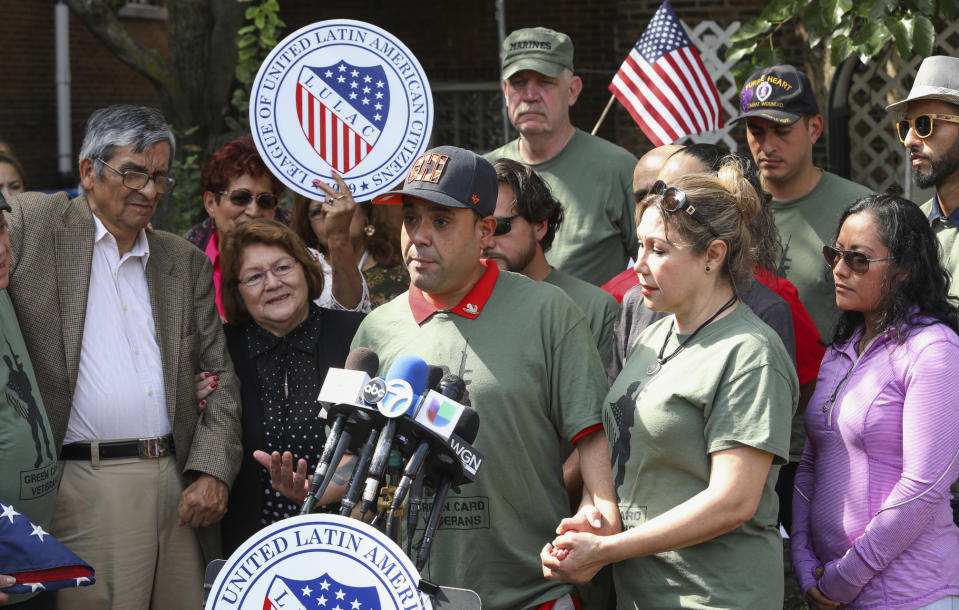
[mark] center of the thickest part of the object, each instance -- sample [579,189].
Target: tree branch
[100,19]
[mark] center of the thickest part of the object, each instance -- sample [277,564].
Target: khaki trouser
[121,518]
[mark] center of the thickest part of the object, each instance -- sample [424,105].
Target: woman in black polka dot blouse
[282,345]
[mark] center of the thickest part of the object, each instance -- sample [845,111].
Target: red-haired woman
[237,188]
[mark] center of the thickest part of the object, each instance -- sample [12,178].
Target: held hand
[292,484]
[205,384]
[339,207]
[816,598]
[587,519]
[6,581]
[203,502]
[574,556]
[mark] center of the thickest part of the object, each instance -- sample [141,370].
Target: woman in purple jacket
[872,525]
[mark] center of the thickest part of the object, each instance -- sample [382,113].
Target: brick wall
[455,42]
[28,102]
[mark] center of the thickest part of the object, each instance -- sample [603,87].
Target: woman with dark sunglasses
[698,421]
[872,524]
[237,188]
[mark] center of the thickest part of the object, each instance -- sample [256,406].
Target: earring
[708,268]
[369,230]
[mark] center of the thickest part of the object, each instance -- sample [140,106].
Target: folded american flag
[36,559]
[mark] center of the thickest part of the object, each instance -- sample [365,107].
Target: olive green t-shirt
[599,306]
[733,385]
[593,180]
[534,376]
[948,236]
[806,225]
[28,459]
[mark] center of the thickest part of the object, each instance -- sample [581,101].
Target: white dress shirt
[119,392]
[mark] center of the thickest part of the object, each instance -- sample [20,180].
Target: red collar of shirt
[472,304]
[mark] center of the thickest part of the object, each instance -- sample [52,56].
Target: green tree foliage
[839,29]
[254,42]
[215,48]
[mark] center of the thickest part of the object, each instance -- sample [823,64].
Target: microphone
[467,427]
[407,378]
[450,386]
[361,360]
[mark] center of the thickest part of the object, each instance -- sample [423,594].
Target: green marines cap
[538,49]
[781,94]
[450,176]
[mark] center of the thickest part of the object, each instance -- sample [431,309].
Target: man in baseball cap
[782,125]
[531,369]
[927,123]
[591,177]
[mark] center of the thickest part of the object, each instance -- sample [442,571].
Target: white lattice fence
[712,39]
[878,158]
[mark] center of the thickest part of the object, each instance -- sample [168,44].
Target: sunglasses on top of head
[674,200]
[243,198]
[921,125]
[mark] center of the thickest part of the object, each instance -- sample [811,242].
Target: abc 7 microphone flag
[341,96]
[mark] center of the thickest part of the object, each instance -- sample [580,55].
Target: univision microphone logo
[441,414]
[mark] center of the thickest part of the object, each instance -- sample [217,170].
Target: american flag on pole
[664,84]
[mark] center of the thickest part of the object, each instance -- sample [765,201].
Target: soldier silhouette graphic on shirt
[20,398]
[624,412]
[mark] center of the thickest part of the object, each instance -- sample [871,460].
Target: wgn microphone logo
[399,398]
[341,96]
[312,562]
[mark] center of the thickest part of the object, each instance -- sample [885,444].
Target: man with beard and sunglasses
[238,187]
[927,123]
[782,125]
[527,219]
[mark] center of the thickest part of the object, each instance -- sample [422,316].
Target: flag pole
[602,117]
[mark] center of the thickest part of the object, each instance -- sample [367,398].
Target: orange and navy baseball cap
[449,176]
[781,94]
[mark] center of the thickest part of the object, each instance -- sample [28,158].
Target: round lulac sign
[341,96]
[318,562]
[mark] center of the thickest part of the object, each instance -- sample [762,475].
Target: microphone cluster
[414,412]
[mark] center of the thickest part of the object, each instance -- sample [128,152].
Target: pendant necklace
[654,367]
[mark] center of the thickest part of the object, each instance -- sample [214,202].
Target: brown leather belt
[156,447]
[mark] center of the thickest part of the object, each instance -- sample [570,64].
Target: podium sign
[315,562]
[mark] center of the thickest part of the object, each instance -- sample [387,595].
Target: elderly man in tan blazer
[117,321]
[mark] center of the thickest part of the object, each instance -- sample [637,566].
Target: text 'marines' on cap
[450,176]
[781,94]
[538,49]
[937,79]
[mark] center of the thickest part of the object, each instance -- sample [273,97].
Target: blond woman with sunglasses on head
[697,421]
[872,525]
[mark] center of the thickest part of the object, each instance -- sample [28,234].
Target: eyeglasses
[922,125]
[856,261]
[504,225]
[278,270]
[243,197]
[137,180]
[674,200]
